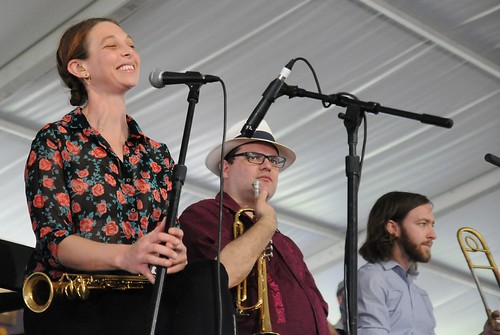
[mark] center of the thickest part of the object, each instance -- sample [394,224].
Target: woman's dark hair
[73,45]
[391,206]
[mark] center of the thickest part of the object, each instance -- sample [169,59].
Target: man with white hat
[295,304]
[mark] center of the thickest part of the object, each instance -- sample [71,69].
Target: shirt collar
[396,267]
[76,120]
[228,202]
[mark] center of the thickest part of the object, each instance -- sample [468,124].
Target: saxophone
[39,290]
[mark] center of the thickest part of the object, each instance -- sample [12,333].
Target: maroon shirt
[295,303]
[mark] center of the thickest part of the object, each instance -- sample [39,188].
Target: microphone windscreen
[155,78]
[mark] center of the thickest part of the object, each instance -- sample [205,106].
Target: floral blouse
[77,185]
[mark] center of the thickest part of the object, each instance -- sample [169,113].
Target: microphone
[268,97]
[160,79]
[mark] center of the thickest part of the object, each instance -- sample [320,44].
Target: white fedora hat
[234,139]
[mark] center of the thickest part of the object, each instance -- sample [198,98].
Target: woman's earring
[87,79]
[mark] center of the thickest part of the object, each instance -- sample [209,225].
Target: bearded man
[400,235]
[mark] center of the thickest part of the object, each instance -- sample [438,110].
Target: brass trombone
[262,303]
[472,241]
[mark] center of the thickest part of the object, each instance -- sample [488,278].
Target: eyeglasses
[258,158]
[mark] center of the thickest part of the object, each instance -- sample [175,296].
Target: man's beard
[413,250]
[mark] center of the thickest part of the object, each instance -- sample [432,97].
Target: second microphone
[160,79]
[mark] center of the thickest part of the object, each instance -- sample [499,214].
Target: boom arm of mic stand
[352,120]
[370,107]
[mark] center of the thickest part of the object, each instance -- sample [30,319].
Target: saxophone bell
[38,292]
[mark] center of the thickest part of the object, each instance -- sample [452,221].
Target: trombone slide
[471,241]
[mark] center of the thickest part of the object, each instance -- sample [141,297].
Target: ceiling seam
[428,33]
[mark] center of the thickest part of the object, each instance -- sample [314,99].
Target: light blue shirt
[389,302]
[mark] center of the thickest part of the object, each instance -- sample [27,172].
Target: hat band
[259,134]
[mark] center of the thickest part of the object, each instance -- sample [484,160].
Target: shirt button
[133,210]
[128,180]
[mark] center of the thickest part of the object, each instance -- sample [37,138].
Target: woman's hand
[179,260]
[156,248]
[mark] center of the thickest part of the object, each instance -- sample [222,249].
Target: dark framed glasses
[258,158]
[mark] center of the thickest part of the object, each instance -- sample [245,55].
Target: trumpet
[262,303]
[472,241]
[39,290]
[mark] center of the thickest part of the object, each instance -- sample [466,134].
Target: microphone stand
[179,176]
[352,120]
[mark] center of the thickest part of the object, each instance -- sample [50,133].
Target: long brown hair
[73,45]
[391,206]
